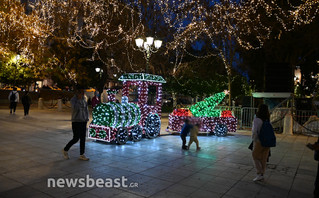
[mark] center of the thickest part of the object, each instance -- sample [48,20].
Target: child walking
[193,137]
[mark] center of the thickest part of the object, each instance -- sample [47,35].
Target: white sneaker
[65,154]
[83,157]
[258,178]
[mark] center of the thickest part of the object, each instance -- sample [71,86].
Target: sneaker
[258,178]
[83,157]
[65,154]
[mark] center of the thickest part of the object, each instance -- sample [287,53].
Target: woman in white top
[260,153]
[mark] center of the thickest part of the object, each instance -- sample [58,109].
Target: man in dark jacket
[185,130]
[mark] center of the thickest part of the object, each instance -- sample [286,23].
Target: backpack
[266,135]
[13,97]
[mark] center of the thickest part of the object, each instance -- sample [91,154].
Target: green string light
[206,108]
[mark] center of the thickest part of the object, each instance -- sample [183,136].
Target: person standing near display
[193,137]
[14,99]
[185,130]
[315,147]
[80,117]
[260,153]
[95,99]
[26,101]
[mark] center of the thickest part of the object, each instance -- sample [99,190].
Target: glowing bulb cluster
[206,108]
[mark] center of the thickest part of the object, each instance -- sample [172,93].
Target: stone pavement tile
[59,189]
[239,192]
[24,191]
[127,194]
[216,187]
[179,172]
[34,175]
[234,173]
[223,181]
[203,193]
[301,187]
[167,194]
[85,195]
[18,164]
[156,171]
[213,170]
[196,180]
[272,191]
[249,186]
[149,188]
[281,181]
[138,178]
[305,175]
[104,192]
[182,189]
[171,177]
[298,194]
[8,184]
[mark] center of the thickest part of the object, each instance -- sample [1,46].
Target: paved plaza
[31,155]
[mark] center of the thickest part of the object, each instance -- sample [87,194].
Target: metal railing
[306,122]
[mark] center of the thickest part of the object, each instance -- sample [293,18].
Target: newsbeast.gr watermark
[87,182]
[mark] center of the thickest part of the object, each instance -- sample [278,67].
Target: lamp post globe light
[99,70]
[148,47]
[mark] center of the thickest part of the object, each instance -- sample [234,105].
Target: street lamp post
[148,47]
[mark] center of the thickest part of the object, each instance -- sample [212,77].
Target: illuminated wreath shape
[152,125]
[121,135]
[92,132]
[102,134]
[221,130]
[136,133]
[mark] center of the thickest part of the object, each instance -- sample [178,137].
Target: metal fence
[305,122]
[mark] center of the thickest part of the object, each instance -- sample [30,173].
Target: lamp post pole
[101,84]
[148,47]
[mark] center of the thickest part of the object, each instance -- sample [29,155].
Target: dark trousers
[26,109]
[13,105]
[183,137]
[79,131]
[316,192]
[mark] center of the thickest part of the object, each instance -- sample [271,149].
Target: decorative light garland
[118,119]
[204,114]
[206,108]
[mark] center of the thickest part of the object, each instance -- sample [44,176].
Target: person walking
[260,153]
[95,99]
[80,117]
[185,130]
[193,137]
[315,147]
[26,101]
[14,99]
